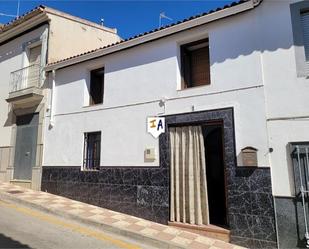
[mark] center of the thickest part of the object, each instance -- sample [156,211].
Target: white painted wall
[60,34]
[286,94]
[253,70]
[135,81]
[12,58]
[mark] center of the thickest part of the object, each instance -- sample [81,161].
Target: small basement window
[92,151]
[195,66]
[96,86]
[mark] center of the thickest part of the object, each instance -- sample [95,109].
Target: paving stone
[119,220]
[197,245]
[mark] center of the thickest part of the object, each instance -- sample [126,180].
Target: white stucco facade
[286,93]
[253,70]
[13,57]
[135,82]
[46,28]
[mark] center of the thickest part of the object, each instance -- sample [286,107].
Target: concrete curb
[151,241]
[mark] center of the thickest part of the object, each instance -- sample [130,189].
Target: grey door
[25,147]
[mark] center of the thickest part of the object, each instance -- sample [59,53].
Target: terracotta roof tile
[155,30]
[44,9]
[21,18]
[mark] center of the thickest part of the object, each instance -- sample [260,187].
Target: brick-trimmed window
[92,151]
[195,66]
[96,86]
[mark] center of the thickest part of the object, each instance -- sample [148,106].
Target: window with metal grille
[305,28]
[96,86]
[92,151]
[195,66]
[300,160]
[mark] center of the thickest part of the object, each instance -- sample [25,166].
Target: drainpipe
[52,100]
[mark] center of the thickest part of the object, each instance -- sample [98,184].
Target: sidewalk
[152,233]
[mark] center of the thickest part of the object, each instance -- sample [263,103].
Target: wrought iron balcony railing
[25,78]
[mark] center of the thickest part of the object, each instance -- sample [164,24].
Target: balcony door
[25,146]
[34,66]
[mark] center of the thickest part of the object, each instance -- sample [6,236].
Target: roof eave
[158,34]
[23,26]
[61,14]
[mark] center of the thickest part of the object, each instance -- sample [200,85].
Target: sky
[129,17]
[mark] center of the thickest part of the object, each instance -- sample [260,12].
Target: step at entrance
[211,231]
[21,183]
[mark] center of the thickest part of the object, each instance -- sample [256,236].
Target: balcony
[25,86]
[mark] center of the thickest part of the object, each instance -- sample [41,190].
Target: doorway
[25,146]
[215,174]
[198,185]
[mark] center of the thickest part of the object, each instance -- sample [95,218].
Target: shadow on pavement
[6,242]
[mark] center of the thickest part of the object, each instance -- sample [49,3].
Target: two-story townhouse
[232,87]
[27,44]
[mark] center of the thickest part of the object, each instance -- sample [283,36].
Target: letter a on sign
[155,126]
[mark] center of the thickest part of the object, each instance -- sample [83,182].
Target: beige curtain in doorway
[189,202]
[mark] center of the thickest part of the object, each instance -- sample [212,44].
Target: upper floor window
[34,68]
[30,74]
[305,28]
[96,86]
[195,66]
[35,55]
[92,151]
[300,27]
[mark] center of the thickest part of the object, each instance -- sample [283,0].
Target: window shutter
[34,69]
[195,65]
[305,26]
[35,55]
[200,67]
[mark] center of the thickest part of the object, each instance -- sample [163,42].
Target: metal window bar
[25,78]
[92,151]
[300,157]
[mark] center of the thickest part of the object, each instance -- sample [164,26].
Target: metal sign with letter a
[155,126]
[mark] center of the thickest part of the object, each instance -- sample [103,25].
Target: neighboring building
[27,44]
[235,78]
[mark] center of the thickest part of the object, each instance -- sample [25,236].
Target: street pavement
[144,231]
[22,227]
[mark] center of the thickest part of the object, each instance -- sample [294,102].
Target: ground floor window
[92,151]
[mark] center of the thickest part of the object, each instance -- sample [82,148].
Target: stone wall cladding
[251,208]
[249,194]
[289,210]
[290,222]
[144,191]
